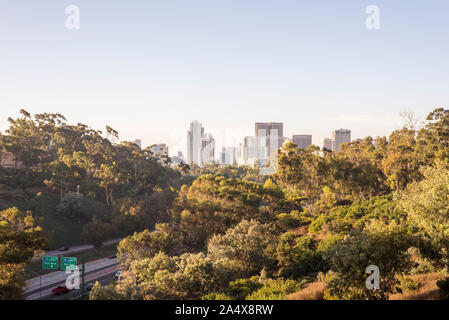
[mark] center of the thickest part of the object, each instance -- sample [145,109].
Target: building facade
[160,152]
[207,149]
[303,141]
[249,150]
[327,144]
[228,155]
[194,143]
[271,136]
[340,136]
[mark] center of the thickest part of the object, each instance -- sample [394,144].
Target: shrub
[275,289]
[444,288]
[216,296]
[287,221]
[409,285]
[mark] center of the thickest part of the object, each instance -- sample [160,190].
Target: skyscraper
[270,133]
[303,141]
[207,149]
[228,155]
[249,150]
[194,143]
[327,144]
[340,136]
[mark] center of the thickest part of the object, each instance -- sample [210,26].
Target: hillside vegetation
[217,233]
[308,232]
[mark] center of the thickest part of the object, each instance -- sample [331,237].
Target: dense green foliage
[227,232]
[19,239]
[322,215]
[92,173]
[79,184]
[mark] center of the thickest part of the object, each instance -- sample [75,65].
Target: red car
[60,290]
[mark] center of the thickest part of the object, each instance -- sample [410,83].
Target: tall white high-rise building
[228,155]
[250,150]
[340,136]
[240,151]
[272,135]
[194,143]
[207,149]
[200,146]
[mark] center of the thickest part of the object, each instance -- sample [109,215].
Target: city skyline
[251,150]
[149,68]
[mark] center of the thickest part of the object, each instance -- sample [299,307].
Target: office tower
[194,143]
[261,147]
[340,136]
[138,142]
[327,144]
[303,141]
[249,150]
[271,134]
[240,151]
[228,155]
[207,149]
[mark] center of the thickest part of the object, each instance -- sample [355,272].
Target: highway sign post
[50,263]
[82,288]
[68,263]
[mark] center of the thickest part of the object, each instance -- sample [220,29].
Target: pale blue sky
[147,68]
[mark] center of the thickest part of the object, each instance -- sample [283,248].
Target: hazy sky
[147,68]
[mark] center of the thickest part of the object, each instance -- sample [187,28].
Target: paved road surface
[103,279]
[73,250]
[51,280]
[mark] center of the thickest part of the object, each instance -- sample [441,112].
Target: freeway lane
[104,280]
[53,279]
[104,276]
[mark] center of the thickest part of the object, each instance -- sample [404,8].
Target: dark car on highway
[89,286]
[64,249]
[60,290]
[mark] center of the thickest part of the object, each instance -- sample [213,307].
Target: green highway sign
[50,263]
[67,262]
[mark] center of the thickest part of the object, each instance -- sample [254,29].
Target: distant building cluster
[200,146]
[338,137]
[259,151]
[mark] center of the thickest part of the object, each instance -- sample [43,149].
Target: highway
[104,280]
[73,250]
[94,270]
